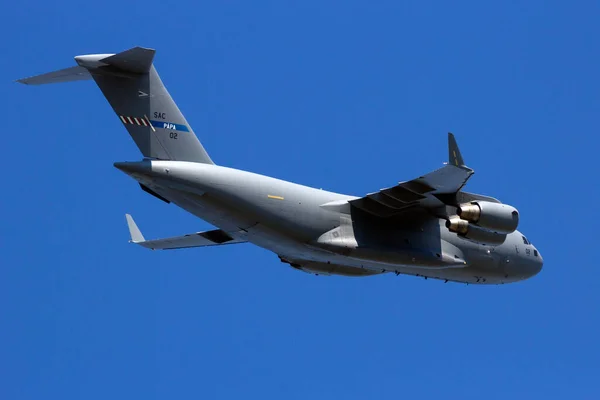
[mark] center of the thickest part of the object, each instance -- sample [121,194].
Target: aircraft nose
[538,267]
[537,264]
[525,266]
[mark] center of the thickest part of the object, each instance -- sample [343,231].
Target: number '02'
[173,135]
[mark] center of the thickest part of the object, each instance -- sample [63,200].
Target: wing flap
[428,191]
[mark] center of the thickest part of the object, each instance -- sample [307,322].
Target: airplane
[426,227]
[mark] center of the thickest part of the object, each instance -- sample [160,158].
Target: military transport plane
[426,227]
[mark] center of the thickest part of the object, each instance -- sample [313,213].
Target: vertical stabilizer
[142,103]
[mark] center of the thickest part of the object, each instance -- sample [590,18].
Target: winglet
[454,156]
[134,231]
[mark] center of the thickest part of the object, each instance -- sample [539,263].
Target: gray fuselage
[318,231]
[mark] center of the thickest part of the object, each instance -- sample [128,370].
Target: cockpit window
[525,241]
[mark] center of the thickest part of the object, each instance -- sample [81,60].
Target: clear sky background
[331,94]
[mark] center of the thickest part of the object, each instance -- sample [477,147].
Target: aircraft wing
[432,190]
[216,237]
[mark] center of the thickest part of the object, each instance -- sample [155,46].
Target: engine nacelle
[473,232]
[496,217]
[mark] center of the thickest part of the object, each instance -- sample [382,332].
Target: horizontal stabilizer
[63,75]
[199,239]
[137,60]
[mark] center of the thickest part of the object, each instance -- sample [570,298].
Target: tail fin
[133,88]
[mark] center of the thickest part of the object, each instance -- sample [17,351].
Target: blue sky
[338,95]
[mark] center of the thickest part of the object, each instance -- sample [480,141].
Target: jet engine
[473,232]
[496,217]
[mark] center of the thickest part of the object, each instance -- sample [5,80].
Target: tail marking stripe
[143,121]
[169,125]
[149,124]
